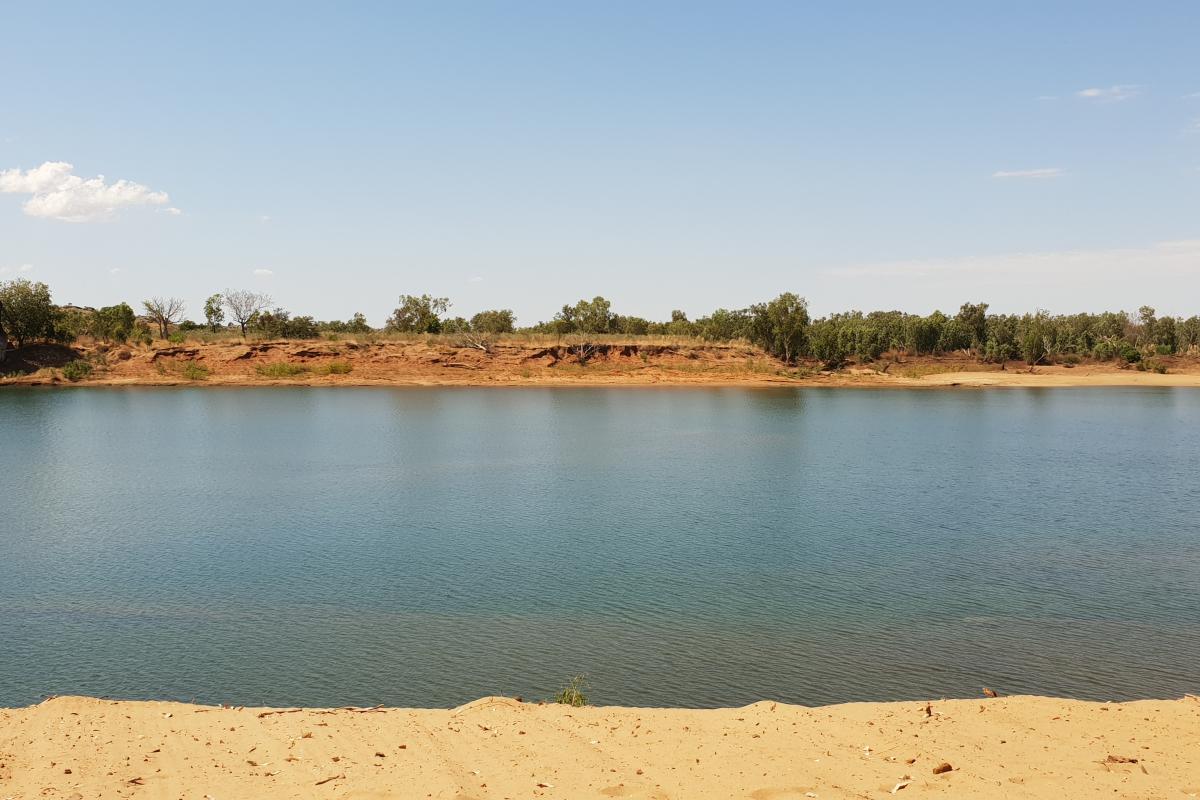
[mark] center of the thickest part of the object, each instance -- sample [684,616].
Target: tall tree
[244,306]
[418,314]
[28,312]
[779,327]
[214,315]
[165,311]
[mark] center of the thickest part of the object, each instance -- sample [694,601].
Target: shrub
[572,694]
[177,337]
[77,370]
[280,369]
[194,372]
[339,368]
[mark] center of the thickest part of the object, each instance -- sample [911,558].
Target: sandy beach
[1008,747]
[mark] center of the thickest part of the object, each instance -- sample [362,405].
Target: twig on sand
[281,711]
[379,709]
[330,778]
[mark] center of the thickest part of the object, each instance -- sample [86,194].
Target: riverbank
[440,363]
[1029,747]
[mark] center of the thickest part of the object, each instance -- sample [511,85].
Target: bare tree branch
[244,305]
[165,312]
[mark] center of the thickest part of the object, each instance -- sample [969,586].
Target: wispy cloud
[1163,259]
[18,270]
[262,272]
[1046,97]
[1112,94]
[1044,172]
[115,271]
[59,194]
[476,279]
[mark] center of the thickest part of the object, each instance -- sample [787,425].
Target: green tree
[114,323]
[780,326]
[214,314]
[495,322]
[587,316]
[358,324]
[28,313]
[974,317]
[418,314]
[724,325]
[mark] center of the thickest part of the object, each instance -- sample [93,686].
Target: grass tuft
[280,369]
[572,694]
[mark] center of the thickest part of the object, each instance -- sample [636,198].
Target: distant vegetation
[782,327]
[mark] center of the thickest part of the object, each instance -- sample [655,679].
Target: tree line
[781,327]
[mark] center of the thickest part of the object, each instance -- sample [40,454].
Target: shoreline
[524,364]
[495,747]
[946,380]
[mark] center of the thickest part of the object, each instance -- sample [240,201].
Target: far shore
[1007,747]
[516,364]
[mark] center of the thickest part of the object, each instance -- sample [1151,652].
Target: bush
[194,372]
[280,369]
[572,694]
[177,337]
[339,368]
[77,370]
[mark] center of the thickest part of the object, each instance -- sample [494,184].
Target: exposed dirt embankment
[521,363]
[1018,747]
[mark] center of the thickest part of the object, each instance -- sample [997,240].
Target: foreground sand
[1014,747]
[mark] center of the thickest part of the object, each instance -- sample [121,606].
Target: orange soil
[514,363]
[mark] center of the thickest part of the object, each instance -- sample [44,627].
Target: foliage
[279,324]
[418,314]
[214,314]
[497,322]
[76,370]
[586,316]
[27,313]
[336,368]
[280,369]
[193,371]
[779,327]
[572,694]
[114,323]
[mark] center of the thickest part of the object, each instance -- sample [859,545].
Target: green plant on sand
[572,694]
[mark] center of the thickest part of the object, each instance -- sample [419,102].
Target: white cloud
[58,194]
[23,268]
[114,271]
[1045,172]
[264,272]
[173,211]
[1113,94]
[476,279]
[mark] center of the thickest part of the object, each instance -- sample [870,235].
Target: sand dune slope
[74,747]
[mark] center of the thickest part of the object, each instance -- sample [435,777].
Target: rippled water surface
[680,546]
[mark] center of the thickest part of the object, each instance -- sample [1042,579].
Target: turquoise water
[694,547]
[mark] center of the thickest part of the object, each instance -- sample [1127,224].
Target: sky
[667,155]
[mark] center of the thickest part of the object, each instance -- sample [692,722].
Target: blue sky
[664,154]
